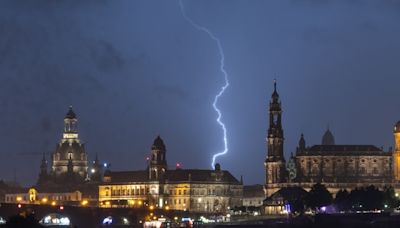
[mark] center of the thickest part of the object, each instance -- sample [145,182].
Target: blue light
[107,221]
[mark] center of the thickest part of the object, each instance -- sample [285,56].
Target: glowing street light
[84,202]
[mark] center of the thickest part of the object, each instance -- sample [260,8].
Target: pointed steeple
[302,143]
[43,175]
[275,95]
[328,138]
[43,165]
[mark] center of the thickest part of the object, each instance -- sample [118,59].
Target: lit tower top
[70,126]
[396,152]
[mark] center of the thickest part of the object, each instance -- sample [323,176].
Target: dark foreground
[93,217]
[325,221]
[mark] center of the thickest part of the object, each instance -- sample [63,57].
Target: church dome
[70,114]
[397,127]
[328,138]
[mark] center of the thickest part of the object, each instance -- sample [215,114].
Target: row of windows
[177,201]
[350,170]
[340,160]
[201,192]
[52,197]
[127,192]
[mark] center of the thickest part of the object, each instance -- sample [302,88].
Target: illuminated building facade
[70,157]
[33,196]
[179,189]
[336,166]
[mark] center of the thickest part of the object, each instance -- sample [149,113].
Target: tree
[389,197]
[318,196]
[341,200]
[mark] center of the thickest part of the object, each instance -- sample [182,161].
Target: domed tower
[328,138]
[158,161]
[396,152]
[70,152]
[275,161]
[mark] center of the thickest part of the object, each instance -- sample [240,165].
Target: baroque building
[336,166]
[178,189]
[69,168]
[70,157]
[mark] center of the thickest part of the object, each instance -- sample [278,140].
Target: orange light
[19,198]
[84,202]
[53,203]
[44,200]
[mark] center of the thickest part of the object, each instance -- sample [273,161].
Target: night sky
[136,69]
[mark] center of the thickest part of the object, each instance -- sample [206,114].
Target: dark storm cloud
[171,92]
[106,56]
[135,69]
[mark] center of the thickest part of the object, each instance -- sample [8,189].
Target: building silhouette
[334,165]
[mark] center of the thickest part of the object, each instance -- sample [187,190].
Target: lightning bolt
[226,81]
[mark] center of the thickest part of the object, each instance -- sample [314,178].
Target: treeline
[358,199]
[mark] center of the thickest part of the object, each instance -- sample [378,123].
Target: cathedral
[69,161]
[334,165]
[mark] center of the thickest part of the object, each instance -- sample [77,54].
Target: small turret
[302,143]
[328,138]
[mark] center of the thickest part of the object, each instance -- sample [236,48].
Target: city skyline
[133,70]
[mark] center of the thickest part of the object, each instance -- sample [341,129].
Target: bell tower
[396,153]
[158,161]
[275,161]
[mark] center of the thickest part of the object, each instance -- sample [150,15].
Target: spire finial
[275,84]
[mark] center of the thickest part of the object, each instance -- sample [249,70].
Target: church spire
[275,131]
[275,161]
[302,143]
